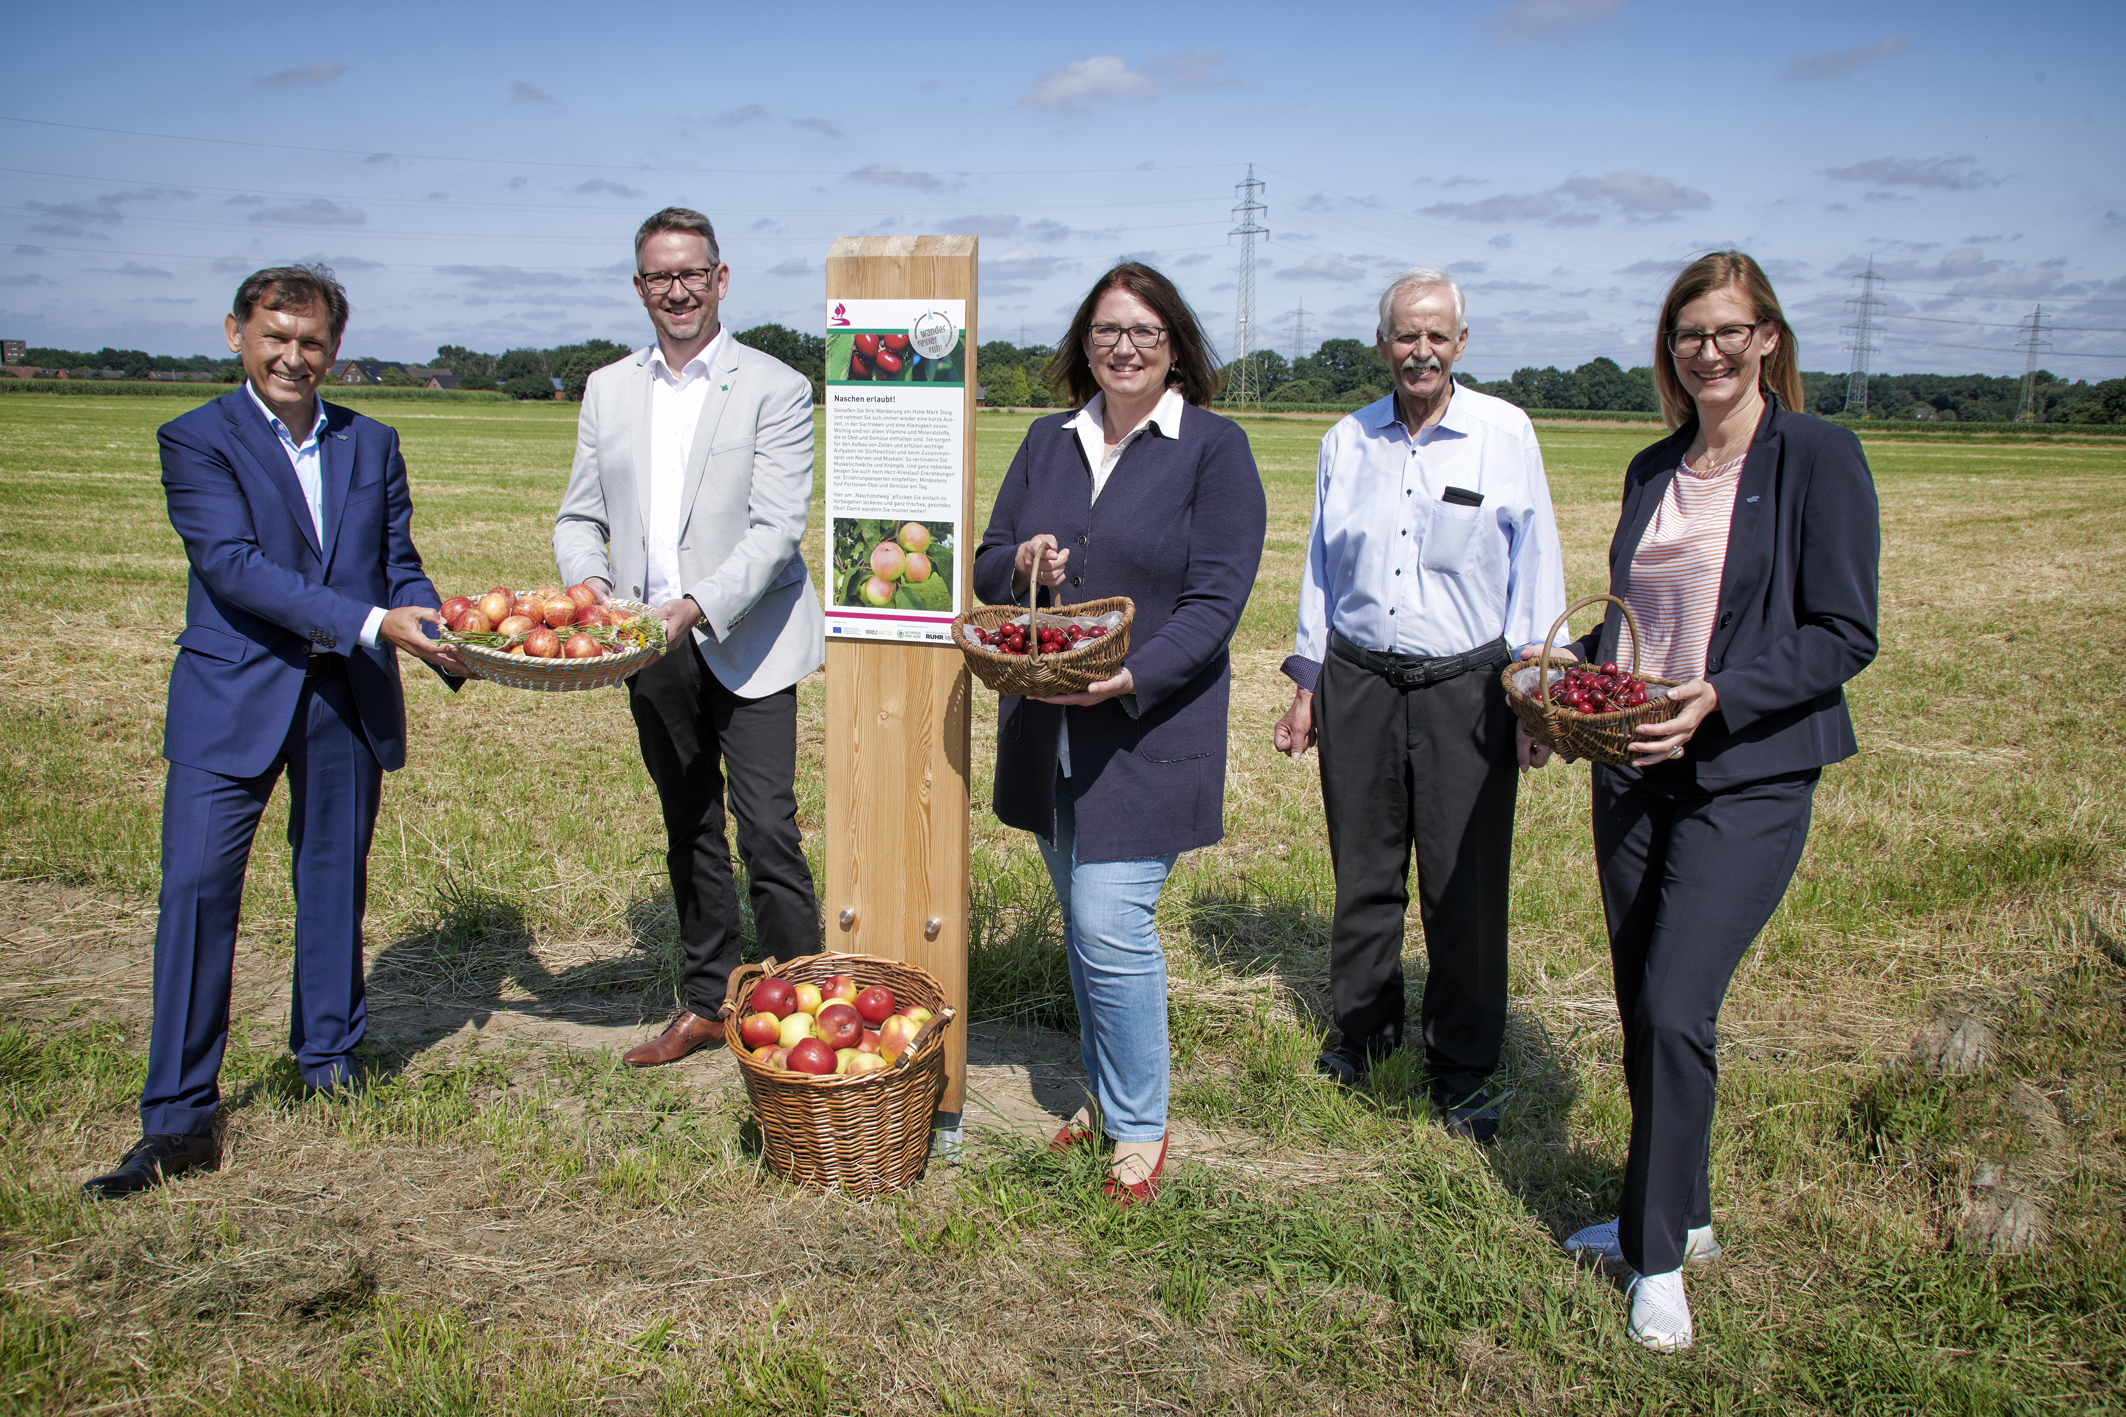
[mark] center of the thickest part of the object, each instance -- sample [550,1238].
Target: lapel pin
[1749,499]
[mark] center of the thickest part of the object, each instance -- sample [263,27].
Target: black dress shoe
[153,1160]
[1347,1067]
[1475,1117]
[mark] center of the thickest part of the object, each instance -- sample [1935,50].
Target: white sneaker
[1660,1314]
[1601,1242]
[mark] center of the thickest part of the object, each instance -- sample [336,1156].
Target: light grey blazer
[748,490]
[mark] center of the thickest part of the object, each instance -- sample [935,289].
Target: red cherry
[888,362]
[867,345]
[895,343]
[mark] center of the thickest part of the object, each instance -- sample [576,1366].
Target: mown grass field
[532,1228]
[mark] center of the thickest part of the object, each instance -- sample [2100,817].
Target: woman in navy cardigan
[1142,492]
[1748,547]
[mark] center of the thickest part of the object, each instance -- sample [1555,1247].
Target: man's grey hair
[681,219]
[1413,278]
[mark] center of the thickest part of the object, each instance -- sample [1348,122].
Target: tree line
[1344,372]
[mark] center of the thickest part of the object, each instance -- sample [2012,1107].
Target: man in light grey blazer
[692,481]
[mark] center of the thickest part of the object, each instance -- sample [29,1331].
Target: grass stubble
[504,1222]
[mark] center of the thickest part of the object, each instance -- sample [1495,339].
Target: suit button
[1712,666]
[1726,617]
[1077,580]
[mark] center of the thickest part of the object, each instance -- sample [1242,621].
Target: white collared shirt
[307,458]
[1380,516]
[1090,425]
[676,401]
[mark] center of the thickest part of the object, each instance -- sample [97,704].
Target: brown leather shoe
[687,1032]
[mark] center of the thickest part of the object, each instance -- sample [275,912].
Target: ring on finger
[1676,752]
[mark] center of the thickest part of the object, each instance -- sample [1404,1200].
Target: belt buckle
[1410,676]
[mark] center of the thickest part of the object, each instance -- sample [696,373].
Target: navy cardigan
[1178,529]
[1797,597]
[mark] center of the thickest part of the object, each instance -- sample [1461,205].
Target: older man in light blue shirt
[1433,555]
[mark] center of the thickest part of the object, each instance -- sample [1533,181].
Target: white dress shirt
[1090,425]
[307,457]
[676,401]
[1393,567]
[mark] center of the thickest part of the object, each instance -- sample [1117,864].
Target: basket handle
[937,1021]
[739,976]
[1631,622]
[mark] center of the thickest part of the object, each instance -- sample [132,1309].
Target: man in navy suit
[303,580]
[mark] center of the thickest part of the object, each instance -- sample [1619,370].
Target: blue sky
[475,173]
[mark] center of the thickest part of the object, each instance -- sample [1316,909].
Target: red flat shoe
[1128,1193]
[1071,1134]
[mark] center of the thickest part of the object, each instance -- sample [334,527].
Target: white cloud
[133,268]
[886,174]
[1965,263]
[521,92]
[1831,65]
[1525,20]
[318,211]
[1582,201]
[309,75]
[1106,78]
[599,186]
[739,117]
[1956,174]
[824,127]
[794,266]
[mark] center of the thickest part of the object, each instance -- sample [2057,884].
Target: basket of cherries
[1584,710]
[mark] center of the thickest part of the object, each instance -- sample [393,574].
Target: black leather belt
[323,666]
[1414,671]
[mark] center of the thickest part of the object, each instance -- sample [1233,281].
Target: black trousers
[1431,767]
[1689,876]
[699,740]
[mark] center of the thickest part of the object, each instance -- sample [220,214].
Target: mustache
[1414,365]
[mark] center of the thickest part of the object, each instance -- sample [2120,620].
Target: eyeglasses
[1142,336]
[1728,339]
[658,282]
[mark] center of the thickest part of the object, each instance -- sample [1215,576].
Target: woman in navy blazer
[1750,537]
[1142,492]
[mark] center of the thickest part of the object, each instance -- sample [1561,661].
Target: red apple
[591,616]
[545,592]
[559,612]
[917,1012]
[581,646]
[841,989]
[495,606]
[868,1043]
[856,1064]
[529,608]
[840,1025]
[472,622]
[808,998]
[895,1034]
[760,1030]
[875,1004]
[515,625]
[583,595]
[812,1056]
[775,996]
[542,643]
[776,1058]
[453,607]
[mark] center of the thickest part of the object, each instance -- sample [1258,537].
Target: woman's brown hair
[1194,372]
[1780,372]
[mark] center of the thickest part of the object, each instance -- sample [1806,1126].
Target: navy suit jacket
[1797,596]
[262,589]
[1178,529]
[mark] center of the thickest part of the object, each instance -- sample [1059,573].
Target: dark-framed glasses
[659,282]
[1142,336]
[1728,339]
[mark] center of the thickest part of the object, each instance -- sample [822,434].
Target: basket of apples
[1059,651]
[551,641]
[844,1060]
[1586,710]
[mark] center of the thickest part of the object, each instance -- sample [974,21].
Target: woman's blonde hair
[1780,373]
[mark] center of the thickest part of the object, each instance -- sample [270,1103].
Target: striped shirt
[1675,572]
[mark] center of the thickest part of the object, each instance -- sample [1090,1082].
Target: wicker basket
[1038,675]
[559,676]
[862,1135]
[1603,737]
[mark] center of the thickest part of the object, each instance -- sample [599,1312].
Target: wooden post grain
[898,720]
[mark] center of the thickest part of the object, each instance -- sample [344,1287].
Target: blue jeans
[1117,973]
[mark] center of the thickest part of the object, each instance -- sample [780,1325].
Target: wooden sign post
[900,506]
